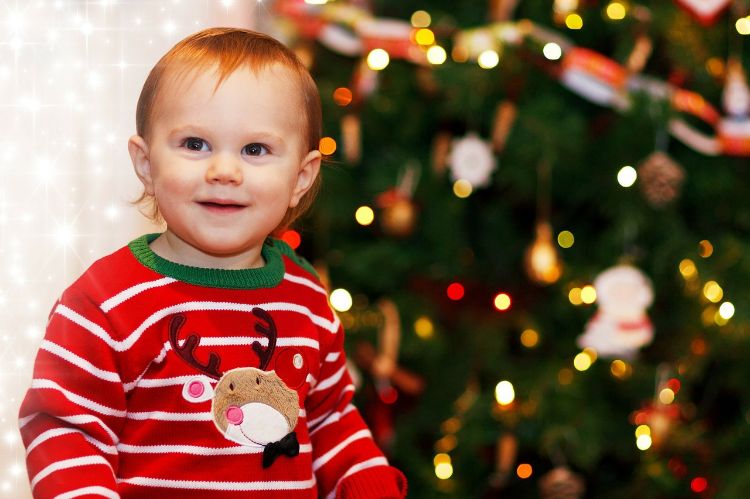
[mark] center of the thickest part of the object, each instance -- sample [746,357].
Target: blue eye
[195,144]
[255,149]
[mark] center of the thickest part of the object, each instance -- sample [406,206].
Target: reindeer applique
[250,406]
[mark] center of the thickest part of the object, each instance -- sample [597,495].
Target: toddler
[205,361]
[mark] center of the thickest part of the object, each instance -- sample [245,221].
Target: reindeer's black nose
[257,380]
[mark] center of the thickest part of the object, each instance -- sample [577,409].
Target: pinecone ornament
[660,178]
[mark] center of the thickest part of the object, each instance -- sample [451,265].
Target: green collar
[267,276]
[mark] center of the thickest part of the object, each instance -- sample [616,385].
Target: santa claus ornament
[471,159]
[705,11]
[620,326]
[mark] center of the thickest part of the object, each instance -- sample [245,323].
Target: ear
[306,175]
[138,149]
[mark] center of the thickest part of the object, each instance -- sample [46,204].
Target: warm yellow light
[364,215]
[565,239]
[620,369]
[627,176]
[582,361]
[441,459]
[524,470]
[424,36]
[688,269]
[643,442]
[616,11]
[743,25]
[488,59]
[378,59]
[705,248]
[591,353]
[588,294]
[424,328]
[573,21]
[552,51]
[726,310]
[502,301]
[436,55]
[642,430]
[327,146]
[529,338]
[341,300]
[713,292]
[462,188]
[719,320]
[504,393]
[666,396]
[574,295]
[444,471]
[421,19]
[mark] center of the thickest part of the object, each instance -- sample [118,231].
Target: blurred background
[533,224]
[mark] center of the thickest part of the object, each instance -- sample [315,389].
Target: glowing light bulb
[743,25]
[642,430]
[616,11]
[341,300]
[552,51]
[421,19]
[643,442]
[726,310]
[582,361]
[505,393]
[488,59]
[524,470]
[541,261]
[529,338]
[424,36]
[573,21]
[444,471]
[713,292]
[424,328]
[436,55]
[462,188]
[364,215]
[588,294]
[566,239]
[666,396]
[627,176]
[327,146]
[502,302]
[378,59]
[574,295]
[688,269]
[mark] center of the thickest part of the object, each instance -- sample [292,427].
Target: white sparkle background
[70,75]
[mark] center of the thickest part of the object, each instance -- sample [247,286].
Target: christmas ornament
[660,178]
[595,77]
[639,55]
[399,213]
[705,11]
[542,262]
[471,159]
[736,95]
[621,326]
[505,116]
[561,483]
[506,452]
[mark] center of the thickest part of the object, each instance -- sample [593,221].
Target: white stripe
[305,282]
[87,418]
[39,384]
[130,292]
[26,420]
[67,464]
[136,382]
[206,485]
[84,364]
[329,382]
[171,416]
[198,450]
[326,419]
[370,463]
[331,453]
[95,489]
[249,340]
[127,343]
[333,356]
[58,432]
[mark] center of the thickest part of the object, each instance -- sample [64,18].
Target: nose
[234,415]
[224,169]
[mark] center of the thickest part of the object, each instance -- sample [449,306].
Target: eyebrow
[202,132]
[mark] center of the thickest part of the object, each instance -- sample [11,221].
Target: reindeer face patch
[250,406]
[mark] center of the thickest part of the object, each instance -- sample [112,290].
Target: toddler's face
[225,164]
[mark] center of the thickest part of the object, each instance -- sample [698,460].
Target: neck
[171,247]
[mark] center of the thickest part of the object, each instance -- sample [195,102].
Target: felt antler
[187,350]
[269,330]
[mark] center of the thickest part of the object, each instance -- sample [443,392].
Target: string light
[524,470]
[666,396]
[342,96]
[565,239]
[627,176]
[421,19]
[364,215]
[726,310]
[588,294]
[616,11]
[462,188]
[743,25]
[705,248]
[341,300]
[574,296]
[620,369]
[292,238]
[436,55]
[505,394]
[327,146]
[378,59]
[488,59]
[713,292]
[455,291]
[688,269]
[552,51]
[698,484]
[529,338]
[424,328]
[443,466]
[502,302]
[573,21]
[424,36]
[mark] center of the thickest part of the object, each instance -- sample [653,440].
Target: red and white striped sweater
[126,399]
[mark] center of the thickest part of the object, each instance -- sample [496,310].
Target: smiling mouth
[221,207]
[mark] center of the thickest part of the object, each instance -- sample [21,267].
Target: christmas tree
[536,223]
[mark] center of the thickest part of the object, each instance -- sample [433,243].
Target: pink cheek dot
[234,415]
[196,389]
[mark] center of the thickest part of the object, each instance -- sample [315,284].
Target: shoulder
[296,260]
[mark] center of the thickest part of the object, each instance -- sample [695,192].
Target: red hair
[226,50]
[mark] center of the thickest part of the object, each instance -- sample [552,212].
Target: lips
[221,205]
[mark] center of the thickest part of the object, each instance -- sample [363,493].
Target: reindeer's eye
[231,387]
[257,380]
